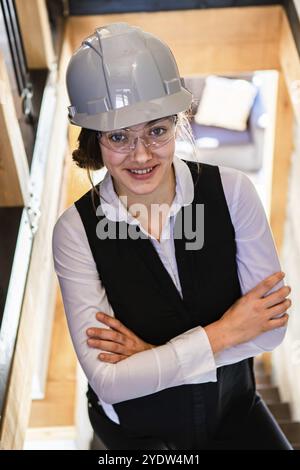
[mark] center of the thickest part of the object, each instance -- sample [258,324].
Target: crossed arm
[246,319]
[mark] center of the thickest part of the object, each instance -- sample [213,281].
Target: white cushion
[225,102]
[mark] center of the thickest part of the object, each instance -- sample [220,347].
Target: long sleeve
[256,256]
[175,363]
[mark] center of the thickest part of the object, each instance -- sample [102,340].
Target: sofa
[242,150]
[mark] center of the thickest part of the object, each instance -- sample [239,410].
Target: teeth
[141,172]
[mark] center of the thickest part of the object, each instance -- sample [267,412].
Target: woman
[168,267]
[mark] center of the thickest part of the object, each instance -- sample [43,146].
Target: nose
[141,153]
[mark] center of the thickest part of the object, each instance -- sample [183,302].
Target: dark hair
[88,154]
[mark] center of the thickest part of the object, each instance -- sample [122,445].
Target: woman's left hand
[118,340]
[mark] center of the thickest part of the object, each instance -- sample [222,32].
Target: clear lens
[154,135]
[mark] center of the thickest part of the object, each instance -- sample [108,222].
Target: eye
[157,131]
[117,138]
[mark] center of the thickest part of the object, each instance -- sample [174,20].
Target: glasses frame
[106,144]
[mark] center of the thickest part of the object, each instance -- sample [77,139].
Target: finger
[112,358]
[277,322]
[266,285]
[108,346]
[108,334]
[113,323]
[276,297]
[279,309]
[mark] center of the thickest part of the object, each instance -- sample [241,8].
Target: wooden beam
[14,172]
[290,65]
[35,32]
[282,149]
[204,40]
[288,107]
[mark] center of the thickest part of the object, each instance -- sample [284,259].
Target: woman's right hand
[251,315]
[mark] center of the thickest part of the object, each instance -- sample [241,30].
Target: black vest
[145,299]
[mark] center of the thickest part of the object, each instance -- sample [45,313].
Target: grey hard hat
[122,76]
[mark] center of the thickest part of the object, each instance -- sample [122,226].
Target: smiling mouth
[143,171]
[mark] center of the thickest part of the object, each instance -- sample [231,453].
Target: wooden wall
[36,34]
[205,41]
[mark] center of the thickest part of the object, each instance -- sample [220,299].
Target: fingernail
[99,315]
[89,332]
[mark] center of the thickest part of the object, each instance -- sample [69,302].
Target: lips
[144,175]
[146,168]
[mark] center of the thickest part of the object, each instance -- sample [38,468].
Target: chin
[142,191]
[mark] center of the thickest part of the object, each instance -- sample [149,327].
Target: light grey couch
[242,150]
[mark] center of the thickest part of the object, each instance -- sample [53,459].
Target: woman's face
[158,160]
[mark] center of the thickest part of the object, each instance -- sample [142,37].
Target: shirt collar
[114,209]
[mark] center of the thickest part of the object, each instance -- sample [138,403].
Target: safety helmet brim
[134,114]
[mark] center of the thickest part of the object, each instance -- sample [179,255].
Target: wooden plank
[36,34]
[51,433]
[228,59]
[205,40]
[14,172]
[283,147]
[288,106]
[290,65]
[57,409]
[40,278]
[205,26]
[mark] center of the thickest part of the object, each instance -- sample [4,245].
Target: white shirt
[187,358]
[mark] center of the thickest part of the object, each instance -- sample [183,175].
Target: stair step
[259,368]
[291,430]
[263,379]
[280,411]
[270,394]
[260,374]
[264,386]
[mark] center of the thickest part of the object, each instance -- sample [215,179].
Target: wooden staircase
[279,409]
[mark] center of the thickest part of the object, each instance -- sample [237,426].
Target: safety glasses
[154,135]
